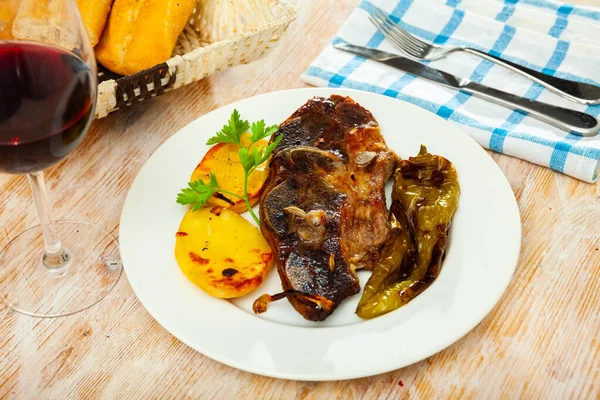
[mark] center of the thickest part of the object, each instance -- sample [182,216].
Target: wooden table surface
[541,341]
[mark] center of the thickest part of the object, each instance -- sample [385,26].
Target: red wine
[46,105]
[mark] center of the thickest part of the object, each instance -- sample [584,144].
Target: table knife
[575,122]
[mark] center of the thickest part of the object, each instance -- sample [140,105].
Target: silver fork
[413,46]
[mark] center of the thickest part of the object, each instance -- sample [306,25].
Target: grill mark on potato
[197,259]
[217,210]
[238,284]
[266,257]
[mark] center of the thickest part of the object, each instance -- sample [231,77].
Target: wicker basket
[219,35]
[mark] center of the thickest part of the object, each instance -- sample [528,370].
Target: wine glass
[48,83]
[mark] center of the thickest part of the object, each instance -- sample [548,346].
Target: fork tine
[403,42]
[399,43]
[403,38]
[406,36]
[387,34]
[400,31]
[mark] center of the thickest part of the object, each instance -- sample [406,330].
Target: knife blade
[572,121]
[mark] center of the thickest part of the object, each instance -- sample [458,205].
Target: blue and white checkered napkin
[559,39]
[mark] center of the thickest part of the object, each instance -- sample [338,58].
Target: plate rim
[335,375]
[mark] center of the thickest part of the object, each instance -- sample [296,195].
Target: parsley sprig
[199,192]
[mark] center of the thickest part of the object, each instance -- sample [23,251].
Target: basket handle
[148,82]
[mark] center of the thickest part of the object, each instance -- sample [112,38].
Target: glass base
[29,286]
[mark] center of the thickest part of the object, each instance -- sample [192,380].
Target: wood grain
[541,341]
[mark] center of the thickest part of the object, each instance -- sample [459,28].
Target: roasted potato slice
[223,161]
[225,255]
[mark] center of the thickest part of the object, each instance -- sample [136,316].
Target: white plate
[481,257]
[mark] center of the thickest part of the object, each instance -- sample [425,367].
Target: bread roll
[94,14]
[142,33]
[46,21]
[8,11]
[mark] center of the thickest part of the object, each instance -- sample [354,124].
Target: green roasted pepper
[394,265]
[424,200]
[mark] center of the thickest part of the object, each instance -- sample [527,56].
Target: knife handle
[578,92]
[573,121]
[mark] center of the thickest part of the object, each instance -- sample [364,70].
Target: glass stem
[55,256]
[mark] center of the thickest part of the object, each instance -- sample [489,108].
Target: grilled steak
[323,210]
